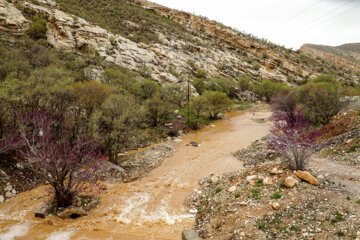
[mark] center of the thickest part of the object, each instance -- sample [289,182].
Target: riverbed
[149,208]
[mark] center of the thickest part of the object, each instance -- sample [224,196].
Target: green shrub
[200,85]
[37,29]
[244,83]
[319,100]
[218,102]
[201,73]
[269,89]
[218,84]
[275,195]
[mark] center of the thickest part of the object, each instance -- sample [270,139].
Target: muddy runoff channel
[149,208]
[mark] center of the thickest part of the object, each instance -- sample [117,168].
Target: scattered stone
[275,205]
[243,204]
[194,144]
[3,174]
[20,166]
[72,212]
[276,171]
[42,210]
[193,211]
[13,191]
[232,189]
[290,182]
[2,199]
[320,177]
[190,235]
[306,176]
[8,188]
[242,234]
[251,178]
[9,194]
[214,179]
[268,181]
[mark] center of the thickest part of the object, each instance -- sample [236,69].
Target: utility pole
[188,86]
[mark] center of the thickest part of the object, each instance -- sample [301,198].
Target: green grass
[218,189]
[255,193]
[275,195]
[259,183]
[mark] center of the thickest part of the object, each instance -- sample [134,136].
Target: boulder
[190,235]
[306,176]
[42,210]
[12,22]
[2,199]
[72,212]
[290,182]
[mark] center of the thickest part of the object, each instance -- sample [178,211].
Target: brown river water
[149,208]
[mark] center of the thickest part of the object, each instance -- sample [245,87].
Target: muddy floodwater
[149,208]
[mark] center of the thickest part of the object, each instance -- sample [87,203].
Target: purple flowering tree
[46,146]
[293,139]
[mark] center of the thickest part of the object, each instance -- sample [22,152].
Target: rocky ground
[14,178]
[267,201]
[140,163]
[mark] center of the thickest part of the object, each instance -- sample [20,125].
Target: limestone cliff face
[12,23]
[217,48]
[307,48]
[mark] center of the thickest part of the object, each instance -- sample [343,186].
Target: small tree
[117,122]
[293,139]
[199,105]
[217,102]
[157,109]
[68,165]
[284,104]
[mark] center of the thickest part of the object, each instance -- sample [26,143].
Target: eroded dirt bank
[152,207]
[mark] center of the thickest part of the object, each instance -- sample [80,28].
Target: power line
[296,15]
[317,18]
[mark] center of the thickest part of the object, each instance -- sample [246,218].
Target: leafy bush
[90,95]
[319,100]
[200,85]
[244,83]
[37,29]
[217,84]
[269,89]
[116,122]
[218,102]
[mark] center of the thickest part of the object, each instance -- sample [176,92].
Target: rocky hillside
[162,43]
[347,55]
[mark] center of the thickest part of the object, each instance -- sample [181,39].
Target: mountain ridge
[347,55]
[174,42]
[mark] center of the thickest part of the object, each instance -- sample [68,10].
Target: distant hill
[346,55]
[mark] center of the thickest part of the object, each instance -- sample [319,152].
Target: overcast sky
[286,22]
